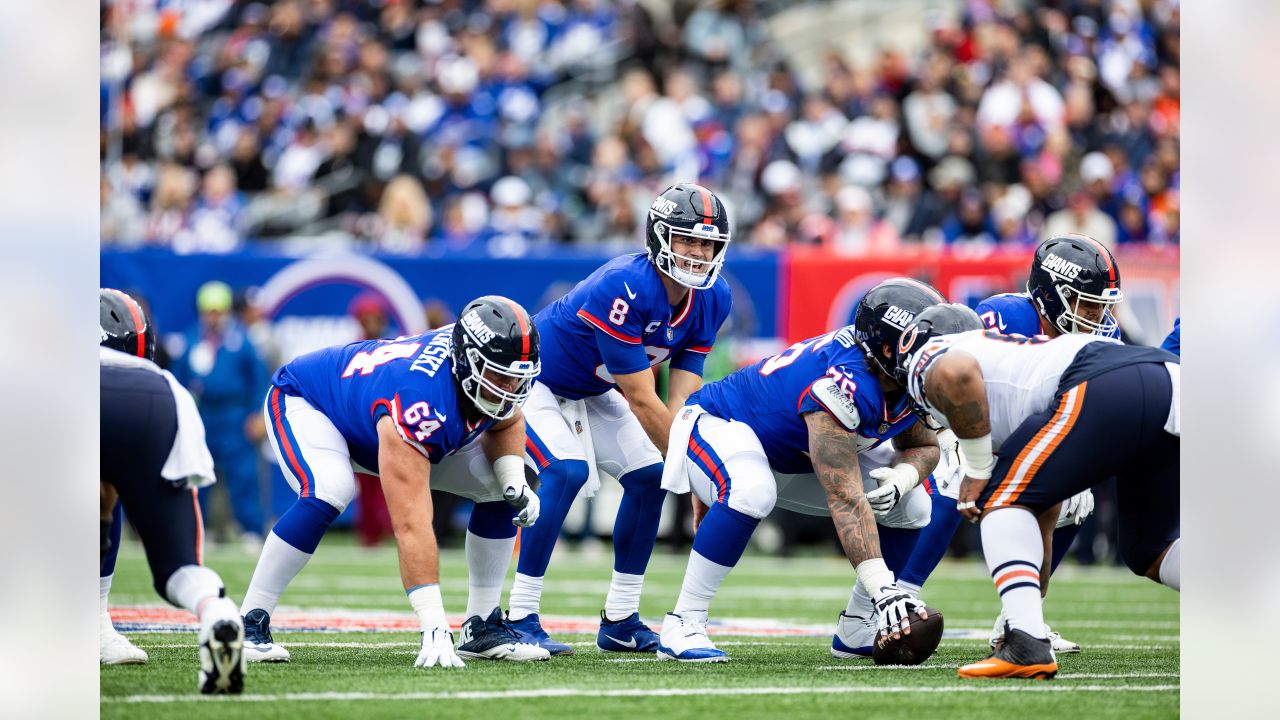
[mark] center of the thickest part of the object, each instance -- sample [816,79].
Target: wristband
[509,469]
[976,457]
[874,574]
[428,606]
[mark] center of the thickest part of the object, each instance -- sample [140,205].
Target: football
[910,649]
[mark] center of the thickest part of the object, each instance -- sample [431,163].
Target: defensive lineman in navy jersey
[810,409]
[594,408]
[439,410]
[1073,286]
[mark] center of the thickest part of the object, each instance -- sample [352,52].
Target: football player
[153,459]
[1073,286]
[438,410]
[1038,421]
[807,411]
[595,410]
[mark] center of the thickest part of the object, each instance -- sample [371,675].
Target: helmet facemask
[669,262]
[476,384]
[1070,320]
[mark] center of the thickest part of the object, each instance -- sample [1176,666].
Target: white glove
[894,607]
[1076,508]
[526,501]
[895,482]
[437,649]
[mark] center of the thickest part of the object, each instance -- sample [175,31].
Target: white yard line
[653,692]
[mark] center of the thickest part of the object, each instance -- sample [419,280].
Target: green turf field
[1128,627]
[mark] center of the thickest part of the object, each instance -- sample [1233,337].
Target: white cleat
[684,638]
[221,642]
[854,638]
[1059,644]
[258,644]
[115,649]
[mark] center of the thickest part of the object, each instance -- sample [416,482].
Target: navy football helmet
[933,321]
[123,325]
[884,312]
[1068,270]
[495,355]
[694,212]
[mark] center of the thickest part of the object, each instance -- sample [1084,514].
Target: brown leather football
[914,648]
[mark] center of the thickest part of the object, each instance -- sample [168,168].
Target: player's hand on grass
[437,649]
[893,611]
[967,500]
[526,501]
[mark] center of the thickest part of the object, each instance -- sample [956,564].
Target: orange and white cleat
[1019,656]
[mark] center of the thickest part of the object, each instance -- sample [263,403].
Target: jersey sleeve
[615,309]
[1173,343]
[693,356]
[416,421]
[836,394]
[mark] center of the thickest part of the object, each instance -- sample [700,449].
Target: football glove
[1076,508]
[437,649]
[893,610]
[526,501]
[895,482]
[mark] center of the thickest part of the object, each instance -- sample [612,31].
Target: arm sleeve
[989,315]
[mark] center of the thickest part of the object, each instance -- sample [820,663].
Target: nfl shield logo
[577,426]
[671,334]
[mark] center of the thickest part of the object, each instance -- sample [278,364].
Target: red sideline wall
[821,288]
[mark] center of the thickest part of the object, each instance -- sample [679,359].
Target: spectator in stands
[404,218]
[1081,216]
[858,231]
[217,217]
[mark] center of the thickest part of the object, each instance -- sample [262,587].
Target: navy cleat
[493,639]
[854,637]
[258,645]
[529,630]
[627,635]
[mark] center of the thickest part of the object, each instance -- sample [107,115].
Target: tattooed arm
[835,460]
[918,447]
[955,387]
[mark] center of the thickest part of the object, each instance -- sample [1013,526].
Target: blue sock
[933,542]
[493,520]
[560,483]
[303,524]
[1062,539]
[896,545]
[117,523]
[636,528]
[723,535]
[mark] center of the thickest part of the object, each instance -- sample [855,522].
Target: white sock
[702,580]
[191,585]
[526,595]
[910,587]
[104,589]
[278,565]
[859,603]
[1171,566]
[487,562]
[624,596]
[1014,552]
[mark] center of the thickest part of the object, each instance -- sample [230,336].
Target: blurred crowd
[507,126]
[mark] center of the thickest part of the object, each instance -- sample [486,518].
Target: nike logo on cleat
[630,644]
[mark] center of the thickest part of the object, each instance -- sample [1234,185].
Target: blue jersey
[1015,314]
[1173,343]
[618,321]
[409,378]
[827,373]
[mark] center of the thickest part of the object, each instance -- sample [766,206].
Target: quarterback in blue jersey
[1073,286]
[439,410]
[810,409]
[594,408]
